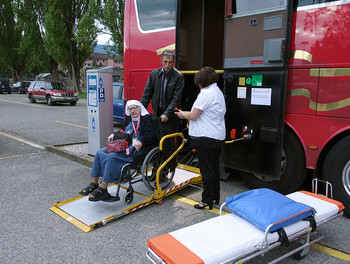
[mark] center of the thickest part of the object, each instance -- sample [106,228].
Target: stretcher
[230,238]
[145,189]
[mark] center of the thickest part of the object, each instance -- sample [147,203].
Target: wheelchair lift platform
[88,215]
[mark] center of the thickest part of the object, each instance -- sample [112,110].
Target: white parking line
[35,105]
[23,140]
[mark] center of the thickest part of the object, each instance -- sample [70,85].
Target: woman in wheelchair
[138,124]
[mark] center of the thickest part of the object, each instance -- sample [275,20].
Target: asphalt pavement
[33,178]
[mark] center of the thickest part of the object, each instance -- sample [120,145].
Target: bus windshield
[157,14]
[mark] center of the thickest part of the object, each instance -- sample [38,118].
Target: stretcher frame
[156,197]
[306,237]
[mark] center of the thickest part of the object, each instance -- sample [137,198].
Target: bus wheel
[336,170]
[293,168]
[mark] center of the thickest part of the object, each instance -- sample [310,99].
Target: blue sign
[93,124]
[101,94]
[100,82]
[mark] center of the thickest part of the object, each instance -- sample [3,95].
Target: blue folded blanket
[263,207]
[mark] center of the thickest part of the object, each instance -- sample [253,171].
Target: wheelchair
[145,167]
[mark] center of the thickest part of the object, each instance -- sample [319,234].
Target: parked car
[20,87]
[51,92]
[5,86]
[118,102]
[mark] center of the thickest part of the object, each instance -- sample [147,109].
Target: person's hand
[164,118]
[137,145]
[180,114]
[110,137]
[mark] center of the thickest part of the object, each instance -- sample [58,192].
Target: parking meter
[99,107]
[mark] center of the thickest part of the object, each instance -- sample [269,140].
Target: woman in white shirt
[207,131]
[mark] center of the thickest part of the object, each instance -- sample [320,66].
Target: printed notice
[241,80]
[261,96]
[242,92]
[92,80]
[92,98]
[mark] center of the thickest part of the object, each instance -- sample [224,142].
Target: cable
[234,140]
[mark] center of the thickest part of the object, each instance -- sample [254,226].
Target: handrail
[158,188]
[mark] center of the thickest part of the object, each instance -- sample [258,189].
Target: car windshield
[26,84]
[56,86]
[117,92]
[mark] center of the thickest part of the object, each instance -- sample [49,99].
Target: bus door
[199,42]
[255,61]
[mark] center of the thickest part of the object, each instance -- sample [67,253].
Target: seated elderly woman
[138,124]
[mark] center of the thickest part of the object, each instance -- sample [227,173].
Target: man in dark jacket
[164,88]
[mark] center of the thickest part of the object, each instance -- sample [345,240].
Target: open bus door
[256,45]
[247,41]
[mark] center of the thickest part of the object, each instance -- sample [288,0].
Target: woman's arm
[193,115]
[125,124]
[110,137]
[148,135]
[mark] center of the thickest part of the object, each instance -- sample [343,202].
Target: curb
[57,149]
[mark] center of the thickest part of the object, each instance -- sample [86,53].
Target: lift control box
[248,132]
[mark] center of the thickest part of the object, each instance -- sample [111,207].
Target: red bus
[295,106]
[149,28]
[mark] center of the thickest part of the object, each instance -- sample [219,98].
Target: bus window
[156,14]
[312,2]
[245,7]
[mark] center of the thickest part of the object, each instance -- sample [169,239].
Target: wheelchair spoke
[150,166]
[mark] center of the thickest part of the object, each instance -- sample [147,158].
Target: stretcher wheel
[301,254]
[150,165]
[129,196]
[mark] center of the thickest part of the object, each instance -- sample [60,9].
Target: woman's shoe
[99,194]
[202,205]
[88,189]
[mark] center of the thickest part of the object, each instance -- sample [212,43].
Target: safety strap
[312,221]
[283,238]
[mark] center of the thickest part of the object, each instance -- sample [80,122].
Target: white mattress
[226,237]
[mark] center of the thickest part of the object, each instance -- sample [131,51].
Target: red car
[51,92]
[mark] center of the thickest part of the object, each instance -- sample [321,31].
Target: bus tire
[293,168]
[336,170]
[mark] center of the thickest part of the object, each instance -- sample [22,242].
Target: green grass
[83,95]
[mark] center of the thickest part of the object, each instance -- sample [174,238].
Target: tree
[21,43]
[94,63]
[112,17]
[10,38]
[70,34]
[30,16]
[3,64]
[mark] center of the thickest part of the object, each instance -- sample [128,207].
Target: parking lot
[33,179]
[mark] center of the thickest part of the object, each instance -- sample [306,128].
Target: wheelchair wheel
[129,196]
[150,165]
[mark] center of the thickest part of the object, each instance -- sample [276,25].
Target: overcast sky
[103,39]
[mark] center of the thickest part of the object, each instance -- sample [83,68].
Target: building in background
[101,58]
